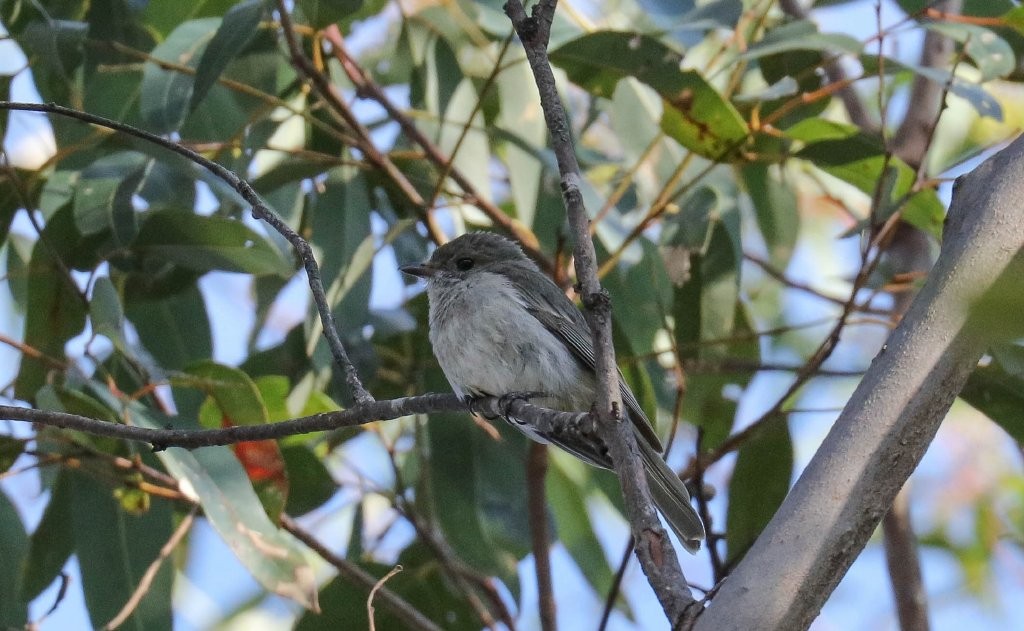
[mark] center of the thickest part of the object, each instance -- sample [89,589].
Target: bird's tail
[671,497]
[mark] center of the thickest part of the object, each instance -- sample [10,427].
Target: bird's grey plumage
[498,325]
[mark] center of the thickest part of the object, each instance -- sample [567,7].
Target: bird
[498,326]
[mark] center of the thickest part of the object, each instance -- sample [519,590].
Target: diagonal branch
[891,418]
[259,210]
[653,547]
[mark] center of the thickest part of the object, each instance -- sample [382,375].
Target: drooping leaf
[574,528]
[114,549]
[759,483]
[57,306]
[166,93]
[52,542]
[203,243]
[174,330]
[775,206]
[14,544]
[235,31]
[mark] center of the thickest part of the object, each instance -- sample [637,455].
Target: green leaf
[695,114]
[10,450]
[58,310]
[858,159]
[775,207]
[1014,18]
[323,13]
[801,35]
[52,542]
[167,94]
[235,393]
[568,505]
[114,549]
[175,330]
[310,483]
[991,54]
[105,312]
[236,30]
[998,393]
[759,483]
[13,550]
[202,244]
[217,480]
[455,478]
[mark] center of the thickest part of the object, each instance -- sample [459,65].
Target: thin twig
[654,548]
[259,210]
[147,578]
[327,91]
[613,591]
[411,617]
[373,592]
[537,507]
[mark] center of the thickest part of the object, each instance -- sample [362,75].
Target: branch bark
[358,415]
[890,419]
[653,546]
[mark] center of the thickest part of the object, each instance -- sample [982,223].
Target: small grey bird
[498,325]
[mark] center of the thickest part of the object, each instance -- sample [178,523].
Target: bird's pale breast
[487,343]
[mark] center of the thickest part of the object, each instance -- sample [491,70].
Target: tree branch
[259,210]
[536,472]
[358,415]
[653,547]
[891,418]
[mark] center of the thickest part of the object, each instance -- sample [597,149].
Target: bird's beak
[422,270]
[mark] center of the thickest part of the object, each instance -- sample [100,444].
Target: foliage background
[137,272]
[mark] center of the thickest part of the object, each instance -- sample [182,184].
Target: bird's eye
[464,264]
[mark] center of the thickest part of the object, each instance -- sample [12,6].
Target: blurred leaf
[775,206]
[1014,18]
[323,13]
[759,483]
[310,482]
[57,307]
[226,495]
[52,542]
[574,529]
[455,478]
[854,157]
[696,115]
[14,545]
[234,33]
[999,395]
[10,450]
[207,243]
[801,35]
[114,549]
[235,393]
[105,313]
[521,114]
[175,330]
[167,94]
[991,55]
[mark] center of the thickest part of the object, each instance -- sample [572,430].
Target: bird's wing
[577,337]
